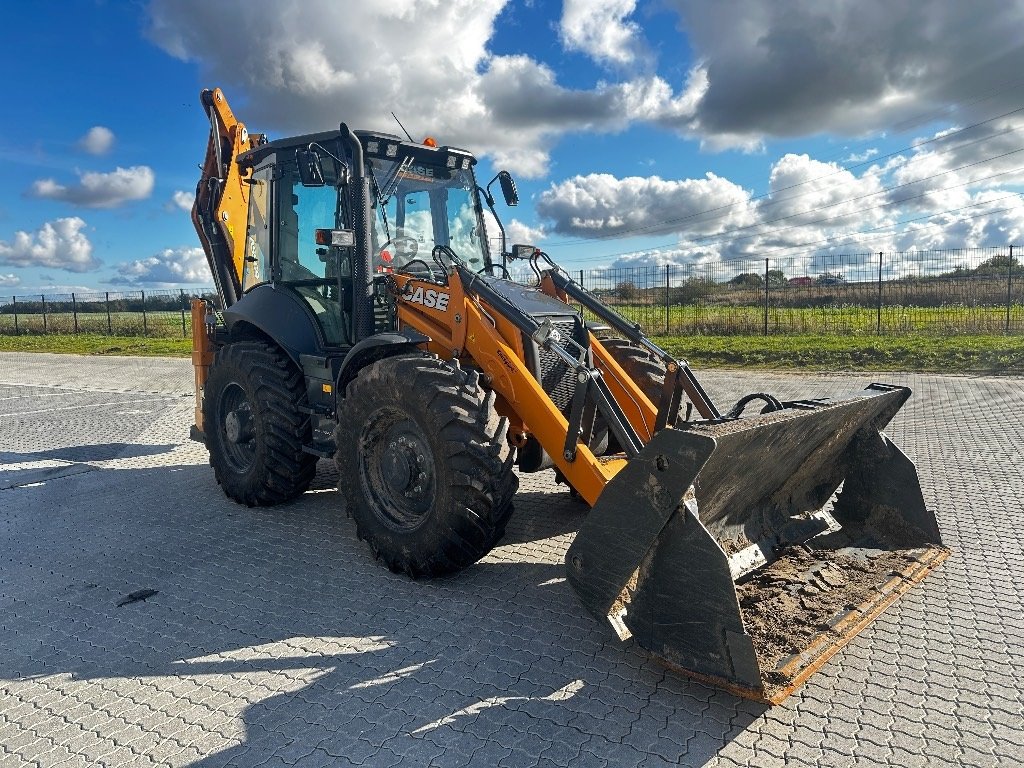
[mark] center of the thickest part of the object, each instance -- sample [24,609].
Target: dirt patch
[790,602]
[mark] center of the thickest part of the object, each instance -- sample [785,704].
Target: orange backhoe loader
[365,319]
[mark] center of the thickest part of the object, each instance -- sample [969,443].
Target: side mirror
[508,188]
[311,173]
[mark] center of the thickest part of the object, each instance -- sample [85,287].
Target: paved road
[274,639]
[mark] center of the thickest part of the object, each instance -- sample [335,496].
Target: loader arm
[472,330]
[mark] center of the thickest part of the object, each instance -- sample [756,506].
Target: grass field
[963,354]
[708,320]
[953,354]
[156,324]
[725,320]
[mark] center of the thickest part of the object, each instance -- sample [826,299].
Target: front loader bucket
[721,549]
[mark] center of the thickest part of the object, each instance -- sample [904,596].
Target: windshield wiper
[391,183]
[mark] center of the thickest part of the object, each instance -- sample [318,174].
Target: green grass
[159,324]
[95,344]
[724,319]
[953,354]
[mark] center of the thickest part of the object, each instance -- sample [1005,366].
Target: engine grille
[555,376]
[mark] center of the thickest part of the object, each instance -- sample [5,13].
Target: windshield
[424,206]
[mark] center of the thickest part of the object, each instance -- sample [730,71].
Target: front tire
[254,429]
[424,464]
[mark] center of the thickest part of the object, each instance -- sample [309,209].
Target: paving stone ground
[274,639]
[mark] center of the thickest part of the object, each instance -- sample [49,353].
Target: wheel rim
[238,429]
[396,469]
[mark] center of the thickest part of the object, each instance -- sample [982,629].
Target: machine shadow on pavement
[280,619]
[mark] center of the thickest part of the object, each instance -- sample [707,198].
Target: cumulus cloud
[100,190]
[799,67]
[754,71]
[952,190]
[601,30]
[9,280]
[601,205]
[98,140]
[170,267]
[59,244]
[181,201]
[300,72]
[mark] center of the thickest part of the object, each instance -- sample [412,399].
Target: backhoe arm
[222,196]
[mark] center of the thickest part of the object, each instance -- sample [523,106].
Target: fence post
[666,298]
[145,323]
[110,326]
[878,318]
[17,332]
[581,285]
[43,297]
[74,311]
[766,297]
[184,333]
[1010,285]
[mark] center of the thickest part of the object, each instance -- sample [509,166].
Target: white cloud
[523,234]
[600,30]
[59,244]
[298,69]
[601,205]
[181,200]
[9,280]
[861,157]
[98,140]
[942,187]
[168,268]
[100,190]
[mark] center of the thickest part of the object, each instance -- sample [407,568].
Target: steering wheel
[489,269]
[403,246]
[410,262]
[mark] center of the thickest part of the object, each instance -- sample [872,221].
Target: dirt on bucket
[794,600]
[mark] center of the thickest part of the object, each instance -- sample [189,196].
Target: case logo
[430,298]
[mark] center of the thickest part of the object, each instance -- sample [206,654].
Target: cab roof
[375,144]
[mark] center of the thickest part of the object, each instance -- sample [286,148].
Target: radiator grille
[555,376]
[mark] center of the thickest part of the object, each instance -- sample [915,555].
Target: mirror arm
[489,199]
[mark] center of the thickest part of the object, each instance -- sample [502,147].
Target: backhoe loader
[364,318]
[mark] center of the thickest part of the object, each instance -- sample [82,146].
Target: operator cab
[302,220]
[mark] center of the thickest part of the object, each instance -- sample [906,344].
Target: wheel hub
[238,426]
[397,469]
[398,465]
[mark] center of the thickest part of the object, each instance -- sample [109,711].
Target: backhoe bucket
[721,548]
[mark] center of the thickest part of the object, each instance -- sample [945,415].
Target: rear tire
[648,372]
[254,430]
[424,464]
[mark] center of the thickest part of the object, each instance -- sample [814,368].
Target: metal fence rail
[963,291]
[967,291]
[113,313]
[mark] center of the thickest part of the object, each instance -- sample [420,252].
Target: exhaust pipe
[362,264]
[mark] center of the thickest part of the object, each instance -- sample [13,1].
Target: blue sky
[666,132]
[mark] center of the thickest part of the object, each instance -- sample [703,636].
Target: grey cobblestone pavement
[275,640]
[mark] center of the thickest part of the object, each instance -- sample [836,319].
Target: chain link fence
[963,291]
[114,313]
